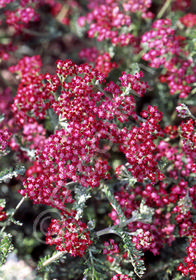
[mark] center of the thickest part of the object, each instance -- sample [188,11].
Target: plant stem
[11,216]
[53,258]
[46,276]
[147,69]
[112,228]
[164,8]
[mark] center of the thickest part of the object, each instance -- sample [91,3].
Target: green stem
[164,8]
[46,276]
[11,216]
[147,69]
[53,258]
[112,229]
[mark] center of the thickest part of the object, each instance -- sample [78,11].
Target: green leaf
[1,118]
[6,246]
[81,196]
[134,255]
[9,173]
[2,202]
[96,268]
[135,68]
[114,203]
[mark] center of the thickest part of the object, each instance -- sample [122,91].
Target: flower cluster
[153,235]
[74,153]
[110,249]
[4,140]
[90,137]
[181,4]
[165,48]
[27,68]
[189,20]
[188,134]
[78,157]
[107,21]
[120,277]
[33,135]
[139,152]
[19,17]
[160,40]
[33,95]
[143,240]
[133,82]
[3,3]
[71,235]
[5,50]
[6,100]
[3,214]
[135,6]
[189,266]
[102,62]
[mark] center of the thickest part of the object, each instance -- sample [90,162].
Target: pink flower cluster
[4,140]
[189,20]
[102,62]
[110,249]
[69,235]
[3,3]
[143,240]
[135,6]
[106,21]
[19,17]
[120,277]
[181,4]
[165,48]
[5,51]
[75,154]
[77,119]
[154,235]
[3,214]
[133,82]
[33,95]
[140,150]
[188,133]
[160,41]
[189,266]
[33,135]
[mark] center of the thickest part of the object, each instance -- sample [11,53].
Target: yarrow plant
[98,133]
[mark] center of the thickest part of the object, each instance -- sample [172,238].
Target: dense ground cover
[97,139]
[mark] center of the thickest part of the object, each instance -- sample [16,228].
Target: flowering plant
[98,138]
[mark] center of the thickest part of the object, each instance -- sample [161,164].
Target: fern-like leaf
[114,203]
[134,255]
[9,173]
[6,246]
